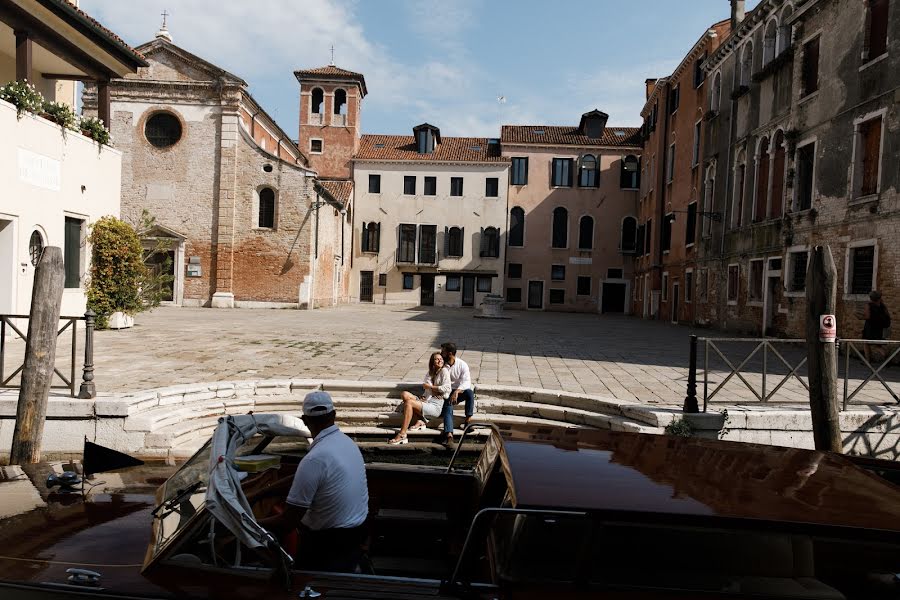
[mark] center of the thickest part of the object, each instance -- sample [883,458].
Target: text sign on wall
[580,260]
[39,170]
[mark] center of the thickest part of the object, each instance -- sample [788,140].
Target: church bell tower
[330,102]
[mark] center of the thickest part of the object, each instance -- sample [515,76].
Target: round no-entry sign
[827,328]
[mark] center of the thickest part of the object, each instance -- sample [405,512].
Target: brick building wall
[802,152]
[205,189]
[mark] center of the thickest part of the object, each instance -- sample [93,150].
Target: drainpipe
[662,180]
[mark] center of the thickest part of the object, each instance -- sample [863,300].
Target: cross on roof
[164,15]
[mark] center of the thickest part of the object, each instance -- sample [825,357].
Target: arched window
[784,31]
[340,102]
[266,212]
[747,64]
[35,247]
[629,235]
[560,227]
[589,170]
[454,244]
[778,173]
[709,186]
[517,227]
[740,173]
[762,180]
[490,242]
[586,233]
[715,94]
[770,42]
[318,99]
[371,237]
[630,175]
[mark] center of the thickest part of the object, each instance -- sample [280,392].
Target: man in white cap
[329,498]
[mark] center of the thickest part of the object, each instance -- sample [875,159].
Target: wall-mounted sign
[39,170]
[194,270]
[827,328]
[580,260]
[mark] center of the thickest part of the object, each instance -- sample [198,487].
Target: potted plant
[94,128]
[117,273]
[23,95]
[61,114]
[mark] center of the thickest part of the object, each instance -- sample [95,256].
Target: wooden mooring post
[821,293]
[40,357]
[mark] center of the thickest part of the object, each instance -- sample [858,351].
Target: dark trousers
[335,550]
[447,412]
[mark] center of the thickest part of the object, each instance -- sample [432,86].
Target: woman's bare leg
[411,406]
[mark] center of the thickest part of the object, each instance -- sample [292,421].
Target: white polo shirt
[460,379]
[330,483]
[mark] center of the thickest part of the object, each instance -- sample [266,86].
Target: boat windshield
[183,496]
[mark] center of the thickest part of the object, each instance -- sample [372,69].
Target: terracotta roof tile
[451,149]
[334,72]
[568,135]
[339,189]
[106,32]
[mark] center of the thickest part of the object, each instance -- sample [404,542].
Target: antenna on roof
[501,100]
[332,55]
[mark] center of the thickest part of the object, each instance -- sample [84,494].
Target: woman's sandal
[418,426]
[397,441]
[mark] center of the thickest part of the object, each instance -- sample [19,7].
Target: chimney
[737,13]
[650,83]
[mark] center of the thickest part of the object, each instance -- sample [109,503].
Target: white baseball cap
[317,403]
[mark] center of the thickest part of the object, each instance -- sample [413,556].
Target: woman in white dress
[427,406]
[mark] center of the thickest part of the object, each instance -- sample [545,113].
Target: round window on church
[35,247]
[163,130]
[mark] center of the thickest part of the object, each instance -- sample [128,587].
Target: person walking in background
[430,404]
[461,383]
[877,319]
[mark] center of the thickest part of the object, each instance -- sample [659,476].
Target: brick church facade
[246,218]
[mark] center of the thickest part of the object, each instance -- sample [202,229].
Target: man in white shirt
[329,497]
[461,386]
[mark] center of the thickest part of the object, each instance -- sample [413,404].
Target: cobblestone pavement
[623,357]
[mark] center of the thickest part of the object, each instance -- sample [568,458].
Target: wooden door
[468,291]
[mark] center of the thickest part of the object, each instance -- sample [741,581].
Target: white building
[53,184]
[429,220]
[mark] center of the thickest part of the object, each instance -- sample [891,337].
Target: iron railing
[87,389]
[767,349]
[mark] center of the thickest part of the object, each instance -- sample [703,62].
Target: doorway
[613,298]
[161,264]
[7,267]
[366,286]
[675,299]
[468,291]
[535,294]
[427,295]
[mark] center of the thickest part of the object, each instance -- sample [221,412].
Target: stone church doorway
[164,254]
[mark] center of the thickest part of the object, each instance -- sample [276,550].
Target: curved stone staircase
[173,422]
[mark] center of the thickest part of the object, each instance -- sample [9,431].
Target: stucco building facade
[671,217]
[430,219]
[244,216]
[53,183]
[573,200]
[802,148]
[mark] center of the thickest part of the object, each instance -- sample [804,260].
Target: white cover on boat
[225,499]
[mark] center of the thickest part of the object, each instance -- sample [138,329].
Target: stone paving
[623,357]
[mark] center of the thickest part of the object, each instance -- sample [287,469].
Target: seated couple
[447,382]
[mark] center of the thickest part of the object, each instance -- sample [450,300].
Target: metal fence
[782,353]
[87,388]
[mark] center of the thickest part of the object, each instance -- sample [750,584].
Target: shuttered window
[878,28]
[72,252]
[517,227]
[862,269]
[453,241]
[690,229]
[406,250]
[561,174]
[870,150]
[810,67]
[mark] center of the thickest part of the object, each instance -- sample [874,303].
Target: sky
[442,61]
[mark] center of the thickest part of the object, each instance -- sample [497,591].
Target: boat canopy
[225,499]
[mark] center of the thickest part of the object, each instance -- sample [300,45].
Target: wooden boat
[544,513]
